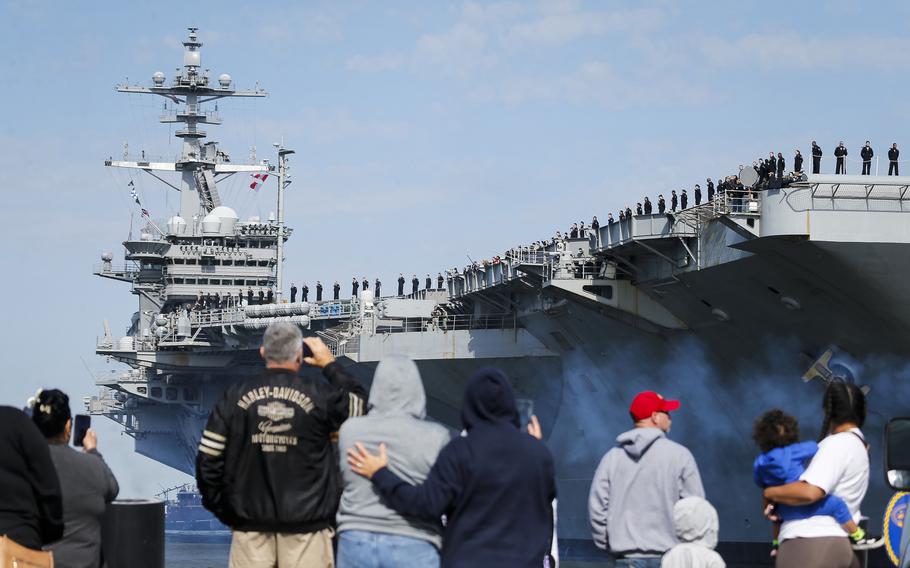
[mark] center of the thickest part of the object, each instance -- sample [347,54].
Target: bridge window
[156,392]
[170,393]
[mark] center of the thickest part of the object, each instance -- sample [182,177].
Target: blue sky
[424,131]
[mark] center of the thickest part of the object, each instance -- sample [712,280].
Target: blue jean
[653,562]
[363,549]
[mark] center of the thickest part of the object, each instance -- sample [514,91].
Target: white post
[282,181]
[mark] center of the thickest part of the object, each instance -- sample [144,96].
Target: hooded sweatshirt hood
[636,442]
[696,521]
[397,389]
[488,400]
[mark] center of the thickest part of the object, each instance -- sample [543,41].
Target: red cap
[649,402]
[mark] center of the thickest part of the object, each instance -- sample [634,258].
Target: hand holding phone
[81,424]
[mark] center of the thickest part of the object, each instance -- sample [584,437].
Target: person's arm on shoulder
[44,481]
[690,479]
[348,397]
[210,461]
[599,504]
[429,500]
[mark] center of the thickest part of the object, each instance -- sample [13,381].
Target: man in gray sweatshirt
[371,534]
[637,484]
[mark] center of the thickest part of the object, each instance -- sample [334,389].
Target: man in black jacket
[841,154]
[647,206]
[710,189]
[674,200]
[798,162]
[305,293]
[866,154]
[495,485]
[377,288]
[697,194]
[31,504]
[355,285]
[893,155]
[661,204]
[816,158]
[336,290]
[400,284]
[318,291]
[684,199]
[294,292]
[781,165]
[266,465]
[415,284]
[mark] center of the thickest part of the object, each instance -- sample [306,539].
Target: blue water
[196,555]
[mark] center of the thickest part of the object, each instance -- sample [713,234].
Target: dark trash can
[132,534]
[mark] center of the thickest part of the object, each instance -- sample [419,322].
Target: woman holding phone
[86,482]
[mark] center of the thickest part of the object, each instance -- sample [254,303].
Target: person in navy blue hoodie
[495,485]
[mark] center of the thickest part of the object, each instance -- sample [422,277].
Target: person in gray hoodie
[637,484]
[696,528]
[370,533]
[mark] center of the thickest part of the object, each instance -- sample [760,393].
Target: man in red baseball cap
[637,484]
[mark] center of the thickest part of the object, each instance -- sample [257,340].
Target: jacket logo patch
[268,439]
[275,411]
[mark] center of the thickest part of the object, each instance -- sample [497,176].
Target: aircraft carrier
[724,305]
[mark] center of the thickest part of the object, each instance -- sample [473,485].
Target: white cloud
[597,82]
[563,22]
[375,64]
[789,50]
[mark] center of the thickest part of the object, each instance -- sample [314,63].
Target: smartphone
[525,411]
[81,424]
[307,352]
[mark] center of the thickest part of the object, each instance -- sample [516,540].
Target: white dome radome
[224,212]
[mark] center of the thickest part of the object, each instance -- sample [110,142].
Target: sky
[425,133]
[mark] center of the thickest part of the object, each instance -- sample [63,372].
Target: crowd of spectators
[314,472]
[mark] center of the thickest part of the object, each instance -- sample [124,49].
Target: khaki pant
[282,550]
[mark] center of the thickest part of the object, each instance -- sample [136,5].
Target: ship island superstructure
[724,305]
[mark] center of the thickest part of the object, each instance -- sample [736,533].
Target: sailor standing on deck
[710,189]
[816,158]
[684,199]
[400,284]
[355,285]
[647,206]
[674,200]
[893,154]
[415,284]
[638,483]
[377,286]
[365,284]
[781,165]
[440,281]
[661,204]
[293,293]
[305,292]
[841,154]
[336,289]
[798,162]
[866,154]
[318,291]
[697,194]
[429,283]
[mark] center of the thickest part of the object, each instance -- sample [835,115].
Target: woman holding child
[840,468]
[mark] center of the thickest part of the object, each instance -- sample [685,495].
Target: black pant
[892,169]
[867,167]
[816,164]
[841,167]
[318,295]
[293,296]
